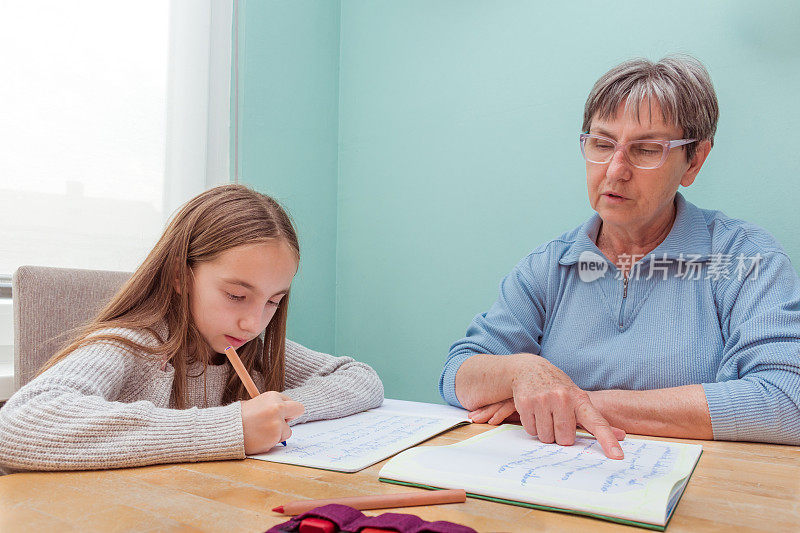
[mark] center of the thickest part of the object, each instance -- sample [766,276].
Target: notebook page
[422,408]
[355,442]
[508,463]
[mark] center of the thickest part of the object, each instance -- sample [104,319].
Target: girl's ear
[176,284]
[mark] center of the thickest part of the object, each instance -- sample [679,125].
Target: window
[114,114]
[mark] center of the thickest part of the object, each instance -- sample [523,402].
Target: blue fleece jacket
[717,303]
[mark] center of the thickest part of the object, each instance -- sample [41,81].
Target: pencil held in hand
[379,501]
[249,384]
[253,438]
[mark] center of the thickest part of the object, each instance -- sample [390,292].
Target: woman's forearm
[675,412]
[484,379]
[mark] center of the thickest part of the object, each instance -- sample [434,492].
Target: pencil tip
[278,509]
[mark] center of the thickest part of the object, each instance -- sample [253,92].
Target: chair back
[49,304]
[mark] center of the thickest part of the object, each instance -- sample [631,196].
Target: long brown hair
[212,222]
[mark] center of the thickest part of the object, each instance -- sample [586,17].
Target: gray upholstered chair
[49,303]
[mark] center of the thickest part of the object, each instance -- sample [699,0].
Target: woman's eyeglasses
[644,154]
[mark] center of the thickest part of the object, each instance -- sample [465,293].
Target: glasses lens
[645,154]
[598,150]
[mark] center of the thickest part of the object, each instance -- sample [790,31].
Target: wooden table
[736,486]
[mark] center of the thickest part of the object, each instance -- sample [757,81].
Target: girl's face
[233,298]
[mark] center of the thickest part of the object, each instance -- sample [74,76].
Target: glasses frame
[668,145]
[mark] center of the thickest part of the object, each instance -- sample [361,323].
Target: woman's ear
[700,155]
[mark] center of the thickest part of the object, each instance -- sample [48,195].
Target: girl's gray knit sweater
[102,407]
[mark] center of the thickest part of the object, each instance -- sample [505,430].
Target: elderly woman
[654,317]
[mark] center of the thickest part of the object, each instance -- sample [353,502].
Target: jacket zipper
[624,296]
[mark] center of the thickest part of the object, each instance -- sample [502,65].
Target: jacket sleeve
[329,386]
[74,417]
[514,324]
[756,396]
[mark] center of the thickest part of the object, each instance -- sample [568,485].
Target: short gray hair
[680,84]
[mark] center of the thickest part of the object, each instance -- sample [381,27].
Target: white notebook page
[355,442]
[508,463]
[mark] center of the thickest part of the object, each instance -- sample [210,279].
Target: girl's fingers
[292,410]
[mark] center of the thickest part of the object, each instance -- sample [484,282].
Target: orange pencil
[249,384]
[379,501]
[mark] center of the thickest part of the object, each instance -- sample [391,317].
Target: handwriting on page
[364,434]
[583,467]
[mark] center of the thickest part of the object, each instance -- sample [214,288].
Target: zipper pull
[625,285]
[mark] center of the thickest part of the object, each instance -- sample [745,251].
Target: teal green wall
[457,149]
[288,124]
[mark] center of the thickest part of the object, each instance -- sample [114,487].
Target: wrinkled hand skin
[550,406]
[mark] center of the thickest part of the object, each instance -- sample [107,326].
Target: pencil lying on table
[379,501]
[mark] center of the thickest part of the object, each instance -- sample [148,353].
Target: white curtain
[113,114]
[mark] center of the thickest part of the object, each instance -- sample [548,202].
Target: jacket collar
[689,238]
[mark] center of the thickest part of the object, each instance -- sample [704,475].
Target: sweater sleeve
[514,324]
[74,417]
[328,386]
[756,396]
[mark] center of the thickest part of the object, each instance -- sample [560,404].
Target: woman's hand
[500,412]
[551,407]
[495,413]
[265,420]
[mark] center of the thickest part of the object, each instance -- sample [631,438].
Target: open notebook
[508,465]
[352,443]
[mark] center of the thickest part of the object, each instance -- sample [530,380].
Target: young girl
[145,381]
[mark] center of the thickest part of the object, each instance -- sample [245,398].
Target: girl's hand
[265,420]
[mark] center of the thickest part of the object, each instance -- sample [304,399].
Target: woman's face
[233,298]
[631,198]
